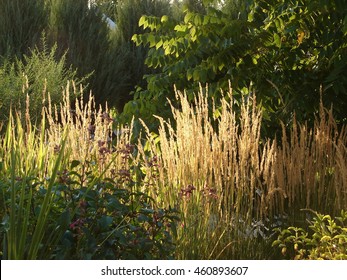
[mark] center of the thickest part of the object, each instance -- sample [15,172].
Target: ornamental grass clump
[68,189]
[310,166]
[23,157]
[231,186]
[211,175]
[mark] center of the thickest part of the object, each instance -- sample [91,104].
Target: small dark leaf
[104,222]
[74,163]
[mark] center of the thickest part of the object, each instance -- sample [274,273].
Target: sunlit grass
[35,157]
[230,184]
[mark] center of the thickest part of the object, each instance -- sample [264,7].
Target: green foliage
[303,54]
[74,212]
[111,222]
[36,75]
[129,12]
[129,57]
[289,52]
[107,7]
[237,8]
[83,36]
[22,229]
[21,25]
[116,64]
[96,221]
[205,48]
[327,239]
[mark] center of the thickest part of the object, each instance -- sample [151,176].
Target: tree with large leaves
[289,52]
[306,54]
[204,48]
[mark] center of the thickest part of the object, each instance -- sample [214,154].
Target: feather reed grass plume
[224,177]
[92,136]
[311,165]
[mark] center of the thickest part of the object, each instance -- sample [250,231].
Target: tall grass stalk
[93,136]
[310,166]
[227,181]
[33,158]
[22,147]
[45,208]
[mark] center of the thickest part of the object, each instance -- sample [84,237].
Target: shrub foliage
[325,240]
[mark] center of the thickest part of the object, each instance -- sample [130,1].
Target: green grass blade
[12,238]
[46,205]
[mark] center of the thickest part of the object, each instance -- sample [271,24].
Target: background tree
[21,25]
[83,33]
[204,48]
[108,57]
[129,57]
[288,52]
[304,54]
